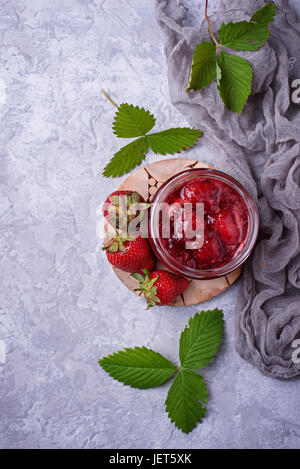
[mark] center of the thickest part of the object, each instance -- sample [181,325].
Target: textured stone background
[61,307]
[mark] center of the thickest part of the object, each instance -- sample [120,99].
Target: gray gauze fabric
[260,148]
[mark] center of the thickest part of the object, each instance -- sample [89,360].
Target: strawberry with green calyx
[121,207]
[129,254]
[160,287]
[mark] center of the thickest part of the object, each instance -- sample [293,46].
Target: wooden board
[146,181]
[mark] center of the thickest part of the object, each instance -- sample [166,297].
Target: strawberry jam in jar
[203,223]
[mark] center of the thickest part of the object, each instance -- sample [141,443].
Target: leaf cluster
[233,73]
[142,368]
[132,121]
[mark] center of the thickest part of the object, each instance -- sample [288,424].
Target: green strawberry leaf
[203,69]
[127,158]
[168,141]
[200,340]
[182,403]
[132,121]
[138,367]
[265,14]
[143,368]
[173,140]
[234,80]
[244,35]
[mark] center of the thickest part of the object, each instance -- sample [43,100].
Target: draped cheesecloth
[260,148]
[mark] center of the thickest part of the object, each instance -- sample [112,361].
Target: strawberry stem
[109,99]
[148,288]
[210,28]
[117,242]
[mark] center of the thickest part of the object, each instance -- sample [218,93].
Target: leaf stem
[210,28]
[109,99]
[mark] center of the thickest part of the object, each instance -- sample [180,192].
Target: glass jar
[219,179]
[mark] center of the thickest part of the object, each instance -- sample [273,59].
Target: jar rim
[166,188]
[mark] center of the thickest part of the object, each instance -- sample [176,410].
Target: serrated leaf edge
[200,402]
[136,348]
[189,325]
[123,108]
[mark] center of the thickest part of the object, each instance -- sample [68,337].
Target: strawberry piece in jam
[201,191]
[226,227]
[225,223]
[211,253]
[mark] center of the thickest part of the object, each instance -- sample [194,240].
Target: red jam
[225,223]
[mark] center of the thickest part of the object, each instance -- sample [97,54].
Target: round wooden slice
[146,181]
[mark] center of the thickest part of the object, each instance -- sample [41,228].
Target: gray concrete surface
[61,307]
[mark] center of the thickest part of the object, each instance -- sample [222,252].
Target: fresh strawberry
[161,287]
[130,254]
[120,208]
